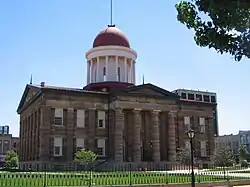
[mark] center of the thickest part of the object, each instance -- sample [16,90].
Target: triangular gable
[29,92]
[150,90]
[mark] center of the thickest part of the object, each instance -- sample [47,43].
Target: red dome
[111,36]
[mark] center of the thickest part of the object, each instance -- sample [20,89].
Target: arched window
[104,73]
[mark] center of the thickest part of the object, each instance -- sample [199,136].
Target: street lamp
[191,137]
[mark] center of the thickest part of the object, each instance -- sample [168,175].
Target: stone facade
[143,123]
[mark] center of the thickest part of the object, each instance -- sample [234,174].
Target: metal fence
[82,176]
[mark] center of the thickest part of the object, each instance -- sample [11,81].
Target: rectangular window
[6,146]
[80,118]
[57,151]
[58,116]
[183,95]
[187,145]
[186,120]
[79,148]
[213,99]
[191,96]
[187,127]
[101,119]
[206,98]
[100,151]
[202,129]
[198,97]
[202,121]
[100,123]
[203,148]
[80,144]
[57,146]
[101,147]
[187,123]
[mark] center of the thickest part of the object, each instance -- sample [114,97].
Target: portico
[137,135]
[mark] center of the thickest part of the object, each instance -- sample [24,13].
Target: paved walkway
[231,173]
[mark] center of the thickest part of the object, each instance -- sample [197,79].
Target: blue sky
[49,39]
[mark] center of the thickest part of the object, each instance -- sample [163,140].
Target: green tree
[223,157]
[223,25]
[184,157]
[85,156]
[11,160]
[244,154]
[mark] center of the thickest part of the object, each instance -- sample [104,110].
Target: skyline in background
[48,39]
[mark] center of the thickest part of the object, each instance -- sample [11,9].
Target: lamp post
[191,137]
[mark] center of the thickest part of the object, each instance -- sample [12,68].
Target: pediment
[29,93]
[149,90]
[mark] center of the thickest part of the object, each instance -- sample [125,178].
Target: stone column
[33,135]
[70,134]
[155,135]
[171,137]
[137,135]
[210,135]
[119,126]
[45,135]
[92,122]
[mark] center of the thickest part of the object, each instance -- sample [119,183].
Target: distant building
[232,141]
[4,129]
[244,137]
[201,96]
[7,143]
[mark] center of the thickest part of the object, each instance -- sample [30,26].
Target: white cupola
[111,59]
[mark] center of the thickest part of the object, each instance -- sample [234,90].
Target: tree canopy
[244,154]
[11,159]
[85,156]
[184,157]
[223,25]
[223,156]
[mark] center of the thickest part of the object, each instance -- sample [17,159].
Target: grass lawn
[100,179]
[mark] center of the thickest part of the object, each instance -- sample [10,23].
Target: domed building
[119,120]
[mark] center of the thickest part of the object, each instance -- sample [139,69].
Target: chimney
[42,84]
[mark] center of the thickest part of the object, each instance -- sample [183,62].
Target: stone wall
[152,126]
